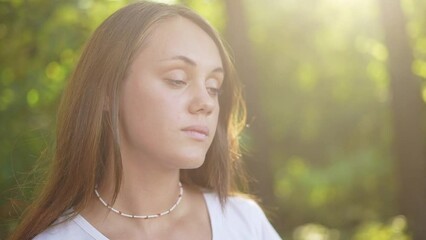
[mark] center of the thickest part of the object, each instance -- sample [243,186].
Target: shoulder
[237,207]
[66,228]
[61,228]
[243,204]
[241,217]
[245,210]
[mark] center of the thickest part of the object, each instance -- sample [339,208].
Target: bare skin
[189,221]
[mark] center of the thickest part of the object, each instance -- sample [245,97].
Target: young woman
[147,137]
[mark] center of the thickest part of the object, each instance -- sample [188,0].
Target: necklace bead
[142,216]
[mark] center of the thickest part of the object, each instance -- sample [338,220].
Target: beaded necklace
[142,216]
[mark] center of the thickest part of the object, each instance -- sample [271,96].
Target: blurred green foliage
[323,88]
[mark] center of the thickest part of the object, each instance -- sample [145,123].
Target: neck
[144,190]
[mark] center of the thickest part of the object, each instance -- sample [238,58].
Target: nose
[201,101]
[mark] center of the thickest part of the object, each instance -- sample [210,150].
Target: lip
[197,132]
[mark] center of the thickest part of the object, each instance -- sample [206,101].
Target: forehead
[179,36]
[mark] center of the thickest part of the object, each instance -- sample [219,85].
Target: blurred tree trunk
[258,162]
[408,117]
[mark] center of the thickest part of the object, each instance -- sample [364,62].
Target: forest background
[336,93]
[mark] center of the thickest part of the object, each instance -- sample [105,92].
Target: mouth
[197,132]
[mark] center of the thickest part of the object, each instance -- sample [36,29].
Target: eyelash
[214,91]
[179,83]
[176,83]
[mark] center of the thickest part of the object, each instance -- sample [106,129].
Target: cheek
[134,106]
[149,111]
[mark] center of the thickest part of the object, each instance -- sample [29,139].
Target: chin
[191,162]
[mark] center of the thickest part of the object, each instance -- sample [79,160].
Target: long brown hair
[87,134]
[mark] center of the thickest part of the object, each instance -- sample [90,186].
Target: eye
[176,83]
[213,86]
[214,92]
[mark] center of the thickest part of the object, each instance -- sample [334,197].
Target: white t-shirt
[241,219]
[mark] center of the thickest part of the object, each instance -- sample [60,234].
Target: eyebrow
[191,62]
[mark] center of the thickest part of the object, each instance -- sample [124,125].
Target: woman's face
[169,104]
